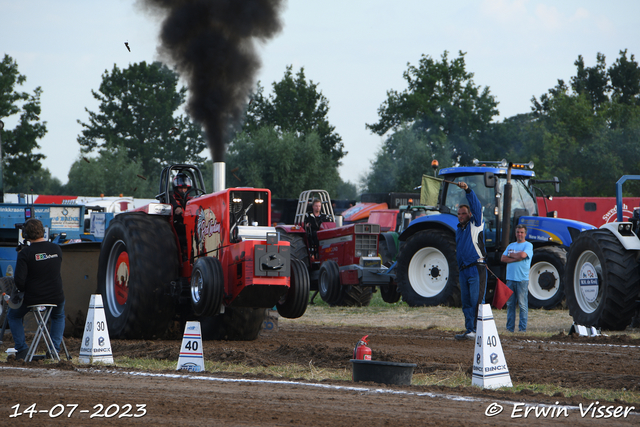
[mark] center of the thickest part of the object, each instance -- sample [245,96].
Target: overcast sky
[355,49]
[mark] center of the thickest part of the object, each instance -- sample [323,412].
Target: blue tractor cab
[427,270]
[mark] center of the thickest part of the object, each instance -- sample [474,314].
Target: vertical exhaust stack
[214,45]
[219,183]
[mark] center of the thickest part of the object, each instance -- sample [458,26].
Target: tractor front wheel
[546,277]
[390,293]
[207,286]
[427,270]
[294,303]
[329,282]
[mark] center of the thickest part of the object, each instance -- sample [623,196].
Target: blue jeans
[471,287]
[15,317]
[521,294]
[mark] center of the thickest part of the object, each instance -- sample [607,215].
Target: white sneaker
[470,335]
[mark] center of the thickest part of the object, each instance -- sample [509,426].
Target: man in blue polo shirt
[518,256]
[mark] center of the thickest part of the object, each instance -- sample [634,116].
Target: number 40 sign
[489,364]
[191,354]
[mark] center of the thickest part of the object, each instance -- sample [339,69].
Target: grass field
[399,315]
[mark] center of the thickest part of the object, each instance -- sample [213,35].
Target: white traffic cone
[96,346]
[489,365]
[191,353]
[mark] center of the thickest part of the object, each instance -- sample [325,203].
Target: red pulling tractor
[345,267]
[229,267]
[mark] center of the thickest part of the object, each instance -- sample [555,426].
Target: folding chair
[42,312]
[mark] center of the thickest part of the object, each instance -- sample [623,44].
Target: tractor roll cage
[307,197]
[165,181]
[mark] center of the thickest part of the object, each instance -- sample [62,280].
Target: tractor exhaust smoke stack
[219,183]
[212,44]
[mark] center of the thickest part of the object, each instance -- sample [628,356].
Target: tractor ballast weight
[426,268]
[222,264]
[345,269]
[603,271]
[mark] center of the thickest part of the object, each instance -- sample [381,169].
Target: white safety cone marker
[96,346]
[489,365]
[191,353]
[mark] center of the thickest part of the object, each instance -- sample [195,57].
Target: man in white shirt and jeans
[518,256]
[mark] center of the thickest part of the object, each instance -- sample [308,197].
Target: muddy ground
[214,398]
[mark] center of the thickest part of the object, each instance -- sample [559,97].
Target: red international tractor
[223,267]
[345,267]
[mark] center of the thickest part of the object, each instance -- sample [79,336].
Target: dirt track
[220,398]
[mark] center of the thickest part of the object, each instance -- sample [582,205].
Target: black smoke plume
[212,45]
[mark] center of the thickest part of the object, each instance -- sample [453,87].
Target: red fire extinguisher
[362,352]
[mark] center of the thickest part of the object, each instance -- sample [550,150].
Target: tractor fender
[290,229]
[628,240]
[389,246]
[439,222]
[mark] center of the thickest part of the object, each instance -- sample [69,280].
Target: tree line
[585,132]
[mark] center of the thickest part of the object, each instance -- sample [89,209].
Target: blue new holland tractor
[426,268]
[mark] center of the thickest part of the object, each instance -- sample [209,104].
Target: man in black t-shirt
[312,222]
[37,274]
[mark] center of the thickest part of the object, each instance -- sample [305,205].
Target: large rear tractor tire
[207,287]
[294,303]
[546,277]
[427,270]
[329,282]
[235,324]
[355,296]
[138,260]
[603,281]
[298,246]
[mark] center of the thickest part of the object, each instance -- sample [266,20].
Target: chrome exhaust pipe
[219,183]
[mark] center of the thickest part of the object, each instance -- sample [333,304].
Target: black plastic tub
[382,372]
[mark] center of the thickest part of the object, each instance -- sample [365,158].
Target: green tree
[587,134]
[405,156]
[111,174]
[296,105]
[284,162]
[592,81]
[441,99]
[137,115]
[20,163]
[625,80]
[40,182]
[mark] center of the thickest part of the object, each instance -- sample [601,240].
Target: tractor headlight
[625,229]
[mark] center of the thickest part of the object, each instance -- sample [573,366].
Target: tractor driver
[181,187]
[179,198]
[312,222]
